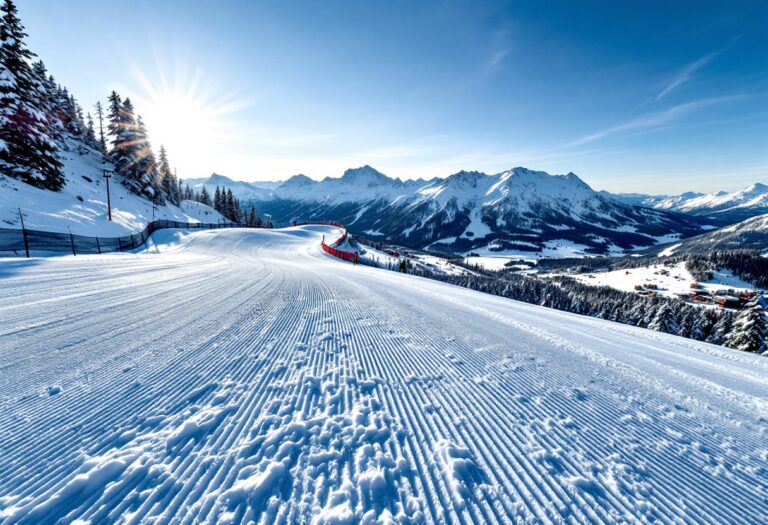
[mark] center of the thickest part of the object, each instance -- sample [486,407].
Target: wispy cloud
[685,75]
[498,57]
[655,120]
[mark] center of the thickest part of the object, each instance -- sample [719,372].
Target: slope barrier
[24,242]
[330,248]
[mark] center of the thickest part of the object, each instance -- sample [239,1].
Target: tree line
[228,205]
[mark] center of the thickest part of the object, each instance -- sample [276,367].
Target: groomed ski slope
[238,376]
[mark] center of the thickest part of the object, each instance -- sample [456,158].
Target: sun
[180,122]
[193,121]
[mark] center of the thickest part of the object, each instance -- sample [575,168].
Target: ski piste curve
[236,376]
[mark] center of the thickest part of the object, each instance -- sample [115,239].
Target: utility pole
[24,233]
[107,175]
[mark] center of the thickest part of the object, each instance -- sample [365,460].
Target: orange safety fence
[341,254]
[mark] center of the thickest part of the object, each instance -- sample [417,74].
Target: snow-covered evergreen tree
[27,150]
[49,101]
[168,180]
[750,329]
[229,205]
[90,133]
[131,151]
[665,320]
[205,198]
[100,117]
[217,199]
[116,130]
[720,330]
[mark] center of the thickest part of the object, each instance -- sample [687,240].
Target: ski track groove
[246,376]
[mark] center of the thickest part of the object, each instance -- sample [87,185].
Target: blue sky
[656,97]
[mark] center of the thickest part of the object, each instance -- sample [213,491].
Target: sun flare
[191,120]
[180,122]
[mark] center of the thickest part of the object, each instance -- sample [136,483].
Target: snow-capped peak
[465,178]
[366,176]
[217,179]
[297,181]
[756,188]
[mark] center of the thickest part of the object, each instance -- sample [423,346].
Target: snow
[678,280]
[82,205]
[753,196]
[438,264]
[477,228]
[669,251]
[554,249]
[490,262]
[243,376]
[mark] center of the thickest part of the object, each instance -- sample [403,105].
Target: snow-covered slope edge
[82,204]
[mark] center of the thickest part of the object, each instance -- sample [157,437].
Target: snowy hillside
[82,203]
[749,234]
[285,386]
[673,282]
[727,208]
[504,214]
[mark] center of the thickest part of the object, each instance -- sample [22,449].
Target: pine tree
[750,330]
[74,115]
[122,128]
[252,217]
[217,199]
[179,187]
[664,320]
[721,329]
[698,329]
[167,178]
[229,207]
[118,153]
[49,97]
[145,162]
[27,149]
[100,117]
[204,197]
[131,152]
[90,133]
[687,320]
[636,314]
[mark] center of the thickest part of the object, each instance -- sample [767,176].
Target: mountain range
[515,211]
[721,208]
